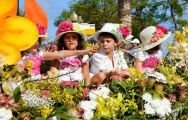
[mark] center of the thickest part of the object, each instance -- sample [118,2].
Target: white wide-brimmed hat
[68,27]
[149,33]
[109,28]
[135,41]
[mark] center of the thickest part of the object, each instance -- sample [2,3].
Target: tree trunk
[172,15]
[125,11]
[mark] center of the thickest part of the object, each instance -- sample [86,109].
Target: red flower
[163,29]
[64,26]
[69,83]
[41,29]
[125,31]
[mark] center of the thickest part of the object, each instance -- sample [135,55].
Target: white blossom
[34,100]
[147,97]
[5,114]
[88,115]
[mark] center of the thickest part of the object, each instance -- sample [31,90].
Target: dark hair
[154,49]
[106,34]
[61,45]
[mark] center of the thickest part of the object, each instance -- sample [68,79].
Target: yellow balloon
[19,32]
[9,55]
[8,8]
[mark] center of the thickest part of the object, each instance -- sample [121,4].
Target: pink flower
[36,60]
[125,31]
[45,92]
[41,29]
[151,62]
[70,61]
[163,29]
[64,26]
[159,33]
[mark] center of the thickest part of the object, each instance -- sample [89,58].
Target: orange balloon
[35,13]
[18,32]
[8,54]
[8,8]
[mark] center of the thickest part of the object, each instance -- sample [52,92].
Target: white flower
[88,115]
[5,114]
[159,76]
[88,105]
[33,100]
[149,109]
[155,103]
[101,91]
[147,97]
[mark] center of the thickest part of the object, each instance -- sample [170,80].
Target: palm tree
[125,11]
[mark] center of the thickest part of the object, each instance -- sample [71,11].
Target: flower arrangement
[158,94]
[151,62]
[64,27]
[159,33]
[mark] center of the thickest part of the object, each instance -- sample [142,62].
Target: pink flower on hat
[64,26]
[125,31]
[41,29]
[159,33]
[163,29]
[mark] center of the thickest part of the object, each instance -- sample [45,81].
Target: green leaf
[40,118]
[17,94]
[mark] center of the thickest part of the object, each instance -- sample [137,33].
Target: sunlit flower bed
[159,94]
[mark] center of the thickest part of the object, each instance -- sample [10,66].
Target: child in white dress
[75,68]
[109,60]
[150,54]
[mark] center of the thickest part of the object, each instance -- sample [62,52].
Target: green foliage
[17,94]
[93,11]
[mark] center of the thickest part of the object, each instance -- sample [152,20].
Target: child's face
[71,41]
[107,44]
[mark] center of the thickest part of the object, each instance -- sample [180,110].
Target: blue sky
[53,8]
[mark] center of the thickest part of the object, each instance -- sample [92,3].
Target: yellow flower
[185,29]
[45,112]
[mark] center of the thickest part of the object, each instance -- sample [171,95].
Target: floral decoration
[159,33]
[64,27]
[41,29]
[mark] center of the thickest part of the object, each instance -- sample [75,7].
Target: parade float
[160,94]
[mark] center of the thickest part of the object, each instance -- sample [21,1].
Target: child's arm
[63,54]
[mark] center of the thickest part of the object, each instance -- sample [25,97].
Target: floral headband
[42,30]
[159,33]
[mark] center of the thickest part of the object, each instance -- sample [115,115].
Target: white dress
[71,68]
[149,62]
[143,55]
[100,61]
